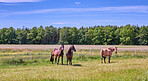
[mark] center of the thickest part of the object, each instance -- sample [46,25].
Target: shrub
[13,61]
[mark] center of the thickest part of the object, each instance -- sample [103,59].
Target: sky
[72,13]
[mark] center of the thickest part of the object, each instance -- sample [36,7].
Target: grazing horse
[69,54]
[57,53]
[107,52]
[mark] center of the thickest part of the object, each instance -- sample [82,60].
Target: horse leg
[52,59]
[67,61]
[101,59]
[104,59]
[71,61]
[55,59]
[62,59]
[58,60]
[109,59]
[101,56]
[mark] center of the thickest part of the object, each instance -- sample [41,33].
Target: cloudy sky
[60,13]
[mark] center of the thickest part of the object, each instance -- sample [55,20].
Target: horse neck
[112,49]
[69,50]
[60,48]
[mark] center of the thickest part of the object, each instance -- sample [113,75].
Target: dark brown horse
[57,53]
[107,52]
[69,54]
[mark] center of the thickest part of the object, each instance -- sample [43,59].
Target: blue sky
[72,13]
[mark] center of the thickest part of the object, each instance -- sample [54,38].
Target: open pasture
[31,63]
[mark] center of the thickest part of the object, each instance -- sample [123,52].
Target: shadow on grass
[113,62]
[63,64]
[109,63]
[76,65]
[71,65]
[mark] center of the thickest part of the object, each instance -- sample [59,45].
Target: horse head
[62,47]
[115,50]
[73,48]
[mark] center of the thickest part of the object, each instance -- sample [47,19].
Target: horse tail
[101,53]
[51,59]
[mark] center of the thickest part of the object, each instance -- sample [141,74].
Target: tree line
[96,35]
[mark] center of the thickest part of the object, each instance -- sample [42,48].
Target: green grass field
[126,66]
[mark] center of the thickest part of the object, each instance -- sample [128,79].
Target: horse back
[106,52]
[56,52]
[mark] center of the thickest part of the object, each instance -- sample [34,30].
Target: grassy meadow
[34,65]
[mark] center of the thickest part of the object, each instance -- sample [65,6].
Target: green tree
[11,35]
[31,36]
[98,36]
[73,38]
[117,36]
[64,36]
[109,34]
[49,35]
[4,36]
[21,36]
[143,36]
[90,36]
[40,35]
[82,37]
[127,35]
[136,35]
[56,35]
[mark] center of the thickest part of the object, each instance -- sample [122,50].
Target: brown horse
[69,54]
[57,53]
[107,52]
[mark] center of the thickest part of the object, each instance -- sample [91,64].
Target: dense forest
[96,35]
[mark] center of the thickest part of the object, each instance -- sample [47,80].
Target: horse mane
[55,49]
[112,48]
[61,47]
[69,50]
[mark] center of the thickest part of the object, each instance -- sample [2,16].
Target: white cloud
[18,1]
[9,4]
[135,9]
[77,2]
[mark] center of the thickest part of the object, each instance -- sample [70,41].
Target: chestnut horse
[69,54]
[57,53]
[107,52]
